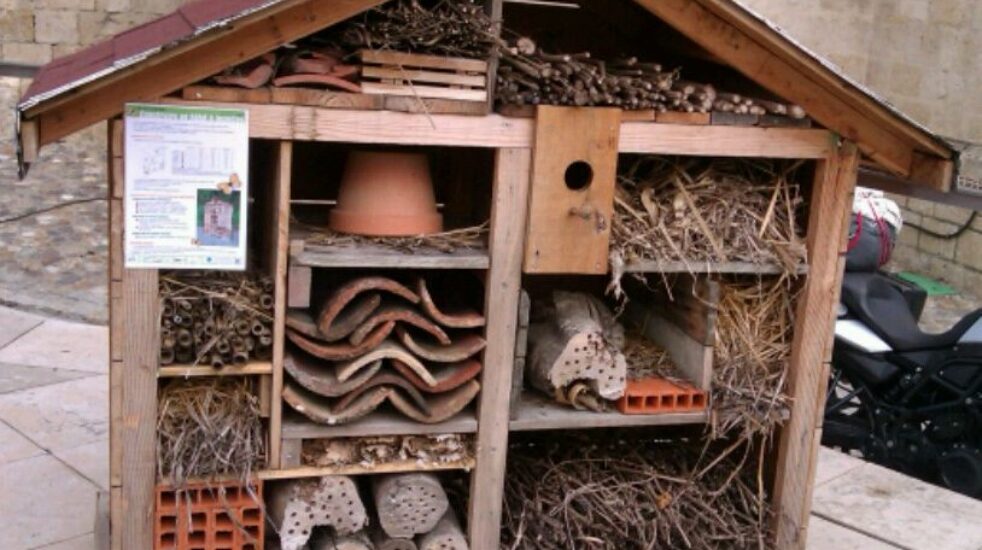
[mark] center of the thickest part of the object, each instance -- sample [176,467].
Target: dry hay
[697,211]
[754,328]
[586,492]
[645,359]
[453,240]
[208,428]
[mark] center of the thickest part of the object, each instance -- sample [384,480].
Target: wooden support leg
[509,210]
[280,259]
[831,200]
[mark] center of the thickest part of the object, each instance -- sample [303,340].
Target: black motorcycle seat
[881,306]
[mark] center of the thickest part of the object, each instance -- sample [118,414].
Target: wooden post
[831,201]
[115,157]
[281,196]
[508,216]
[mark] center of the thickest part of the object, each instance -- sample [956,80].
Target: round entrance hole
[579,175]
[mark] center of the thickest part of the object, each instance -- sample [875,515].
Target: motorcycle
[903,398]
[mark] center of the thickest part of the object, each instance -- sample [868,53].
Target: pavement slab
[63,345]
[84,542]
[14,324]
[14,446]
[875,500]
[833,463]
[43,502]
[60,416]
[91,460]
[22,377]
[826,535]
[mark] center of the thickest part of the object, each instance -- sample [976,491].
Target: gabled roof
[206,36]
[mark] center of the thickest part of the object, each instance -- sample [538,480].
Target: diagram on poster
[187,174]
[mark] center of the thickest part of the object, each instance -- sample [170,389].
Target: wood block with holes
[574,170]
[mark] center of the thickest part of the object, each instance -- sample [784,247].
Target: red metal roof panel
[202,13]
[156,33]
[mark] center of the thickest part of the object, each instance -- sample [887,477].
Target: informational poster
[187,187]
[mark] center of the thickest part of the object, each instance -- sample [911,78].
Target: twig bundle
[451,27]
[754,328]
[208,428]
[634,493]
[696,211]
[374,451]
[216,318]
[466,238]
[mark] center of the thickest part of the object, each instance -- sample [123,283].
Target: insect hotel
[518,274]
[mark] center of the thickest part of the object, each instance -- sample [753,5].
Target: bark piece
[442,406]
[460,348]
[408,504]
[447,535]
[389,380]
[385,350]
[297,506]
[320,410]
[575,338]
[340,351]
[328,80]
[459,318]
[383,541]
[447,376]
[321,378]
[400,313]
[343,295]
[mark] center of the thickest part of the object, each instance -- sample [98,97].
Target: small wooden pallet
[424,76]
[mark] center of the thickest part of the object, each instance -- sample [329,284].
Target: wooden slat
[674,266]
[231,94]
[418,90]
[298,286]
[377,256]
[774,64]
[387,57]
[808,379]
[380,422]
[671,117]
[536,412]
[291,453]
[141,342]
[29,141]
[188,371]
[423,77]
[359,469]
[725,141]
[508,217]
[434,106]
[691,306]
[326,99]
[189,62]
[569,229]
[281,194]
[934,173]
[694,359]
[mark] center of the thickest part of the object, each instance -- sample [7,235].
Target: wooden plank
[692,266]
[434,106]
[141,342]
[291,453]
[264,391]
[569,224]
[934,173]
[797,452]
[226,94]
[29,141]
[380,422]
[359,469]
[115,516]
[672,117]
[303,123]
[723,118]
[281,197]
[508,217]
[725,141]
[521,349]
[423,77]
[388,57]
[537,412]
[694,359]
[691,306]
[642,115]
[327,99]
[298,286]
[378,256]
[189,371]
[418,90]
[766,59]
[186,63]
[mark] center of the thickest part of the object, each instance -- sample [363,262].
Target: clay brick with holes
[659,396]
[213,516]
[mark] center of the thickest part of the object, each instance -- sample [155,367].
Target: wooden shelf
[184,371]
[358,469]
[371,255]
[380,422]
[535,412]
[671,266]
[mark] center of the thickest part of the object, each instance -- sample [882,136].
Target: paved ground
[54,458]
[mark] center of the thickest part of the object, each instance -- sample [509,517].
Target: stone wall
[925,57]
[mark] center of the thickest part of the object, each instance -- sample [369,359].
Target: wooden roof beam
[772,62]
[189,62]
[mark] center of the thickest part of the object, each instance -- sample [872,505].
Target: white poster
[187,174]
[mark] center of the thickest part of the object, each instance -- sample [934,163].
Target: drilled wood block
[296,507]
[409,504]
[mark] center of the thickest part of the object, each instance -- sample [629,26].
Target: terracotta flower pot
[386,194]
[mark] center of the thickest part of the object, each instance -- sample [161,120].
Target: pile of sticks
[208,427]
[698,211]
[370,452]
[752,353]
[607,493]
[215,318]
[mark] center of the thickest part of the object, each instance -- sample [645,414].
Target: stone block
[920,206]
[56,27]
[908,237]
[949,12]
[953,214]
[969,250]
[112,5]
[26,52]
[938,226]
[912,217]
[944,248]
[71,5]
[16,25]
[94,26]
